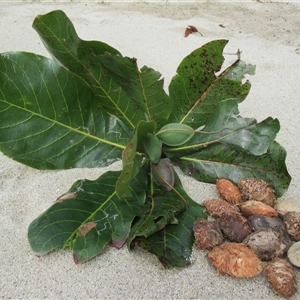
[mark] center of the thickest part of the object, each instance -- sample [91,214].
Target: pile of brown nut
[249,228]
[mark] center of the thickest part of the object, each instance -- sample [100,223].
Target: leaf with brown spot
[85,228]
[66,196]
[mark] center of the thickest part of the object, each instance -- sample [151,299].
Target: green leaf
[49,118]
[131,159]
[196,90]
[160,209]
[226,126]
[122,90]
[226,161]
[88,217]
[144,87]
[173,245]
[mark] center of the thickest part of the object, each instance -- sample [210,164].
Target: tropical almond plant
[90,106]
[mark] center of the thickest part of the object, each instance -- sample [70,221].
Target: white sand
[267,34]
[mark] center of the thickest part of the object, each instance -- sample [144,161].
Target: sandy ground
[268,36]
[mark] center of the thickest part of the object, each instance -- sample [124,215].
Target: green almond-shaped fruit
[163,174]
[175,134]
[152,146]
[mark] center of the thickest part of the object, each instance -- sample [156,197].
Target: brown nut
[258,190]
[235,228]
[267,244]
[252,207]
[260,222]
[229,191]
[292,223]
[207,234]
[294,254]
[287,205]
[281,276]
[235,260]
[218,208]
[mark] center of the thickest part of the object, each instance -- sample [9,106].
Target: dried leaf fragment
[258,190]
[190,29]
[252,207]
[218,208]
[281,276]
[207,234]
[85,228]
[229,191]
[236,260]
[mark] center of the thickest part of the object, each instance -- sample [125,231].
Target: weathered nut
[287,205]
[218,208]
[292,223]
[236,260]
[260,222]
[281,276]
[294,254]
[163,174]
[229,191]
[235,228]
[152,146]
[258,190]
[252,207]
[175,134]
[267,244]
[207,234]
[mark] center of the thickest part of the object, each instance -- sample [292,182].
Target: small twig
[238,53]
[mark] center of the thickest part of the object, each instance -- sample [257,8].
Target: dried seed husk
[258,190]
[281,276]
[235,228]
[294,254]
[267,244]
[292,223]
[287,205]
[229,191]
[236,260]
[207,234]
[252,207]
[218,208]
[260,222]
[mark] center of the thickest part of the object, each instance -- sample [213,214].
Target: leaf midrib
[65,126]
[90,74]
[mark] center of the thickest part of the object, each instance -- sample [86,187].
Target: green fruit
[175,134]
[152,146]
[163,174]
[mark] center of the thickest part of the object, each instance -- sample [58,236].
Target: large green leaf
[226,126]
[173,245]
[226,161]
[88,217]
[161,209]
[196,90]
[49,118]
[122,89]
[144,87]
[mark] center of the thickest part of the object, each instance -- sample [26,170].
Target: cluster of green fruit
[173,134]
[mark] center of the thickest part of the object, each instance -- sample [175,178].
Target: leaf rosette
[90,106]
